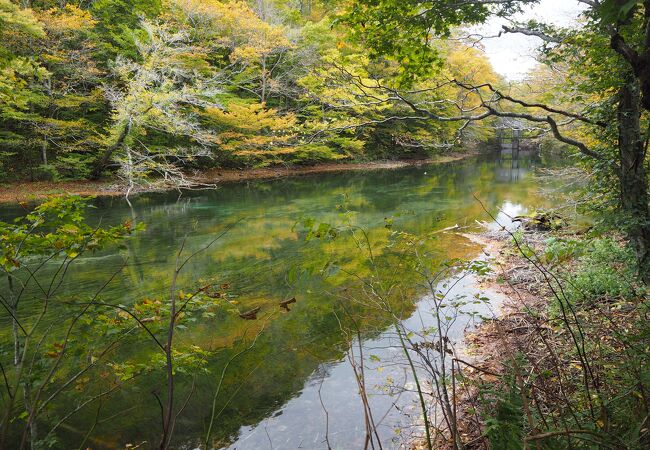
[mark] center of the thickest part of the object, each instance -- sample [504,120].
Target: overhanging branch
[467,117]
[554,129]
[528,32]
[525,104]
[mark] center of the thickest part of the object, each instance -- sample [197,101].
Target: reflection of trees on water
[513,164]
[255,257]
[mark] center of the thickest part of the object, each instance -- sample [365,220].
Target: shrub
[46,172]
[505,425]
[606,269]
[558,251]
[310,154]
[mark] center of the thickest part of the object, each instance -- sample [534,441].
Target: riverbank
[27,191]
[493,344]
[562,362]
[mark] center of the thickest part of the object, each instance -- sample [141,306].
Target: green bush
[46,172]
[505,424]
[74,166]
[606,269]
[559,251]
[310,154]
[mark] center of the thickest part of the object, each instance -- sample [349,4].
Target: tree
[68,122]
[155,89]
[177,88]
[609,52]
[356,97]
[253,49]
[159,96]
[55,231]
[251,131]
[19,73]
[69,350]
[118,26]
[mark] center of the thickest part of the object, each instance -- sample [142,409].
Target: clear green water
[269,397]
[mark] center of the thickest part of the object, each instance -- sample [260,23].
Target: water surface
[295,387]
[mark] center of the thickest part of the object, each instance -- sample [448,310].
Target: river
[295,388]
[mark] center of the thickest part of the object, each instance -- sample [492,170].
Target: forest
[324,224]
[160,89]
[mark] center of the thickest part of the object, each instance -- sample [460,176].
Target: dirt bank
[556,359]
[25,191]
[492,346]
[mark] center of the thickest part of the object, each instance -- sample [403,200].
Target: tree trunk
[44,151]
[102,161]
[632,175]
[261,9]
[33,433]
[263,79]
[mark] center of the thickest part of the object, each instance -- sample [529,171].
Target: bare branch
[528,32]
[547,108]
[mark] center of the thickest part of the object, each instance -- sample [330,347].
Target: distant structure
[515,153]
[509,133]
